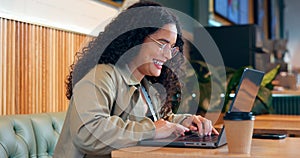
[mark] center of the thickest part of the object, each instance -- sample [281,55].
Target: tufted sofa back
[30,136]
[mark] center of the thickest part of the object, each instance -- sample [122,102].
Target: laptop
[243,101]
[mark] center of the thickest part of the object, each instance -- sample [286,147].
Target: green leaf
[265,96]
[270,76]
[263,103]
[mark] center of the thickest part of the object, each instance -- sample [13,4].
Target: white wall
[292,25]
[82,16]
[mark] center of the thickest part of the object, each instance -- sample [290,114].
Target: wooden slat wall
[34,63]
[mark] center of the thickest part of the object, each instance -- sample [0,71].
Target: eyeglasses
[174,50]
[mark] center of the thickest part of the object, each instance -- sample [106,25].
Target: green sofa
[30,136]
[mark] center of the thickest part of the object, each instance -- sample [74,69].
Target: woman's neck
[135,73]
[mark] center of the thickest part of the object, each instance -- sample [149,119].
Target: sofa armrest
[31,135]
[47,127]
[2,151]
[16,136]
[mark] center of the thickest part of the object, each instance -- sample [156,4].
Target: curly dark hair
[127,30]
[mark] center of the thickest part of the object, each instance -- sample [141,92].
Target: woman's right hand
[165,129]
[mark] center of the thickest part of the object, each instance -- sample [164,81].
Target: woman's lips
[158,64]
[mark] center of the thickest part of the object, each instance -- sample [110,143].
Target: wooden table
[287,148]
[270,123]
[287,124]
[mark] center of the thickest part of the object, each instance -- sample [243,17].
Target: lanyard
[147,97]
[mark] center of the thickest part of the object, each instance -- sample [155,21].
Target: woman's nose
[167,53]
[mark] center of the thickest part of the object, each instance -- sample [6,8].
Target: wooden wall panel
[34,63]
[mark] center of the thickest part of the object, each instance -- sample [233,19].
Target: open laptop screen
[247,90]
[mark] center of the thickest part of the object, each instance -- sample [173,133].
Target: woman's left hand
[200,124]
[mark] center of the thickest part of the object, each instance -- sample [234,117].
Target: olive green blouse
[107,112]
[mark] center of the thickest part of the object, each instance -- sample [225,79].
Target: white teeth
[158,62]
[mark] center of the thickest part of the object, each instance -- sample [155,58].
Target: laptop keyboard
[197,137]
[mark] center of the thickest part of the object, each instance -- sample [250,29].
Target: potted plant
[263,102]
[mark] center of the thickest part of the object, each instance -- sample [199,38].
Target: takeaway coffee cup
[239,130]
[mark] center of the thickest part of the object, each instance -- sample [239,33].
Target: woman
[123,84]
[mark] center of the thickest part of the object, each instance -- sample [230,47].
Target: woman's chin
[156,73]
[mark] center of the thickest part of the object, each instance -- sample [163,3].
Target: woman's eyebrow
[166,41]
[163,40]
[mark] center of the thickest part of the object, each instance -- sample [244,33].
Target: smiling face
[150,59]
